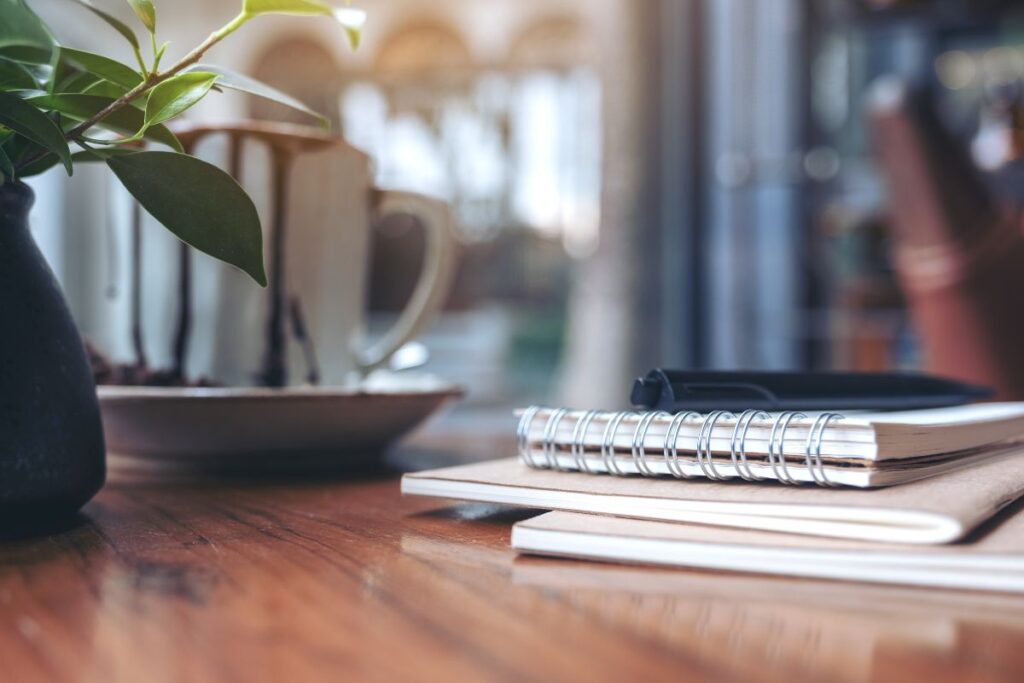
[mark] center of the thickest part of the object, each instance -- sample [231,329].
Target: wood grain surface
[340,578]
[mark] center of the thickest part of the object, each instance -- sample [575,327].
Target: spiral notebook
[860,450]
[993,562]
[940,509]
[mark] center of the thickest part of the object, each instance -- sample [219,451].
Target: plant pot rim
[16,185]
[15,197]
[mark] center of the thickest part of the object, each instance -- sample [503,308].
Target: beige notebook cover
[937,510]
[993,562]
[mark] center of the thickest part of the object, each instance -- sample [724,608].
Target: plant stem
[140,62]
[116,105]
[136,293]
[275,370]
[156,78]
[182,334]
[151,80]
[211,40]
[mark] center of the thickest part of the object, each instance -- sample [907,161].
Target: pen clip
[658,390]
[730,390]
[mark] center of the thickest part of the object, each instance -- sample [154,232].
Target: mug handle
[435,278]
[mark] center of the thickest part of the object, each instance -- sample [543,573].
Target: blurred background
[635,183]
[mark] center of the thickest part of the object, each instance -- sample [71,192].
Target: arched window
[512,144]
[423,48]
[304,69]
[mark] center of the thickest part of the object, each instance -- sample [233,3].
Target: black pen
[678,390]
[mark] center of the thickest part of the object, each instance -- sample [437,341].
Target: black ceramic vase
[51,439]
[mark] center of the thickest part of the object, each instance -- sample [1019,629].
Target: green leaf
[227,78]
[27,54]
[47,162]
[254,7]
[19,148]
[128,120]
[354,36]
[175,95]
[108,89]
[60,71]
[146,13]
[28,121]
[96,155]
[113,22]
[352,19]
[14,76]
[101,66]
[81,82]
[199,203]
[159,55]
[38,166]
[6,166]
[20,27]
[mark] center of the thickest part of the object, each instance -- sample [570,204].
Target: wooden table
[333,578]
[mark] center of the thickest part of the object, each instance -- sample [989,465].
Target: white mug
[332,206]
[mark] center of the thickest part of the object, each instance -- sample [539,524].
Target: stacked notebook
[917,497]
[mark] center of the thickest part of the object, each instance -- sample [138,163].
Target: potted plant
[63,106]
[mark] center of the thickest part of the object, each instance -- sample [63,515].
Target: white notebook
[830,449]
[941,509]
[803,599]
[994,562]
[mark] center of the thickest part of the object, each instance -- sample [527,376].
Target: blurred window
[515,150]
[513,143]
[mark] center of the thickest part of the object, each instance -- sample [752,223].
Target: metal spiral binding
[812,452]
[703,452]
[579,435]
[608,442]
[523,435]
[670,449]
[548,446]
[738,444]
[777,450]
[675,465]
[639,434]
